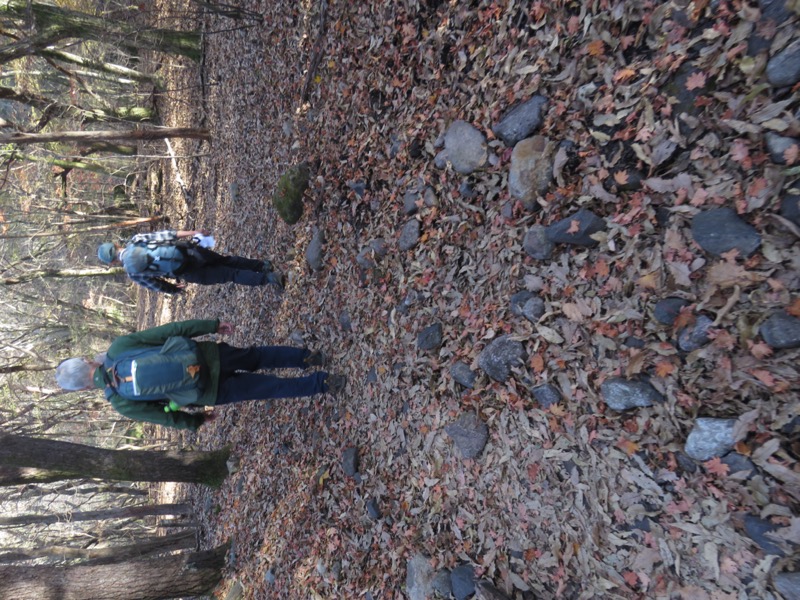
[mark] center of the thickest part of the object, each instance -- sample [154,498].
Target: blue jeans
[237,386]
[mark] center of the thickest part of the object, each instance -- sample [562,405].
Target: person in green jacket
[227,373]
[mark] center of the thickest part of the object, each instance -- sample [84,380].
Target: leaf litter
[573,501]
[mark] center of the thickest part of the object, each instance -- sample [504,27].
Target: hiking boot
[315,359]
[276,278]
[335,384]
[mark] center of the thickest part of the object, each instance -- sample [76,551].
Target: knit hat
[107,252]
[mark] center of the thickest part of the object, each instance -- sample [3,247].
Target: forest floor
[572,501]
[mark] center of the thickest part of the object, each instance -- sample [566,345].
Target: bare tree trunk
[168,576]
[120,512]
[182,540]
[72,230]
[79,461]
[61,273]
[128,113]
[105,135]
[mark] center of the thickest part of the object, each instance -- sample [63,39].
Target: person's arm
[155,284]
[153,412]
[192,232]
[158,335]
[167,235]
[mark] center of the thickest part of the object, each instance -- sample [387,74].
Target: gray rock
[546,395]
[757,529]
[466,147]
[441,583]
[499,356]
[720,230]
[788,585]
[695,336]
[773,13]
[739,463]
[440,160]
[314,251]
[710,437]
[462,580]
[790,208]
[409,236]
[430,338]
[350,461]
[631,180]
[469,434]
[359,187]
[777,145]
[410,202]
[521,121]
[781,330]
[419,578]
[588,223]
[531,170]
[344,321]
[528,305]
[537,244]
[463,374]
[668,309]
[783,69]
[373,510]
[623,394]
[486,591]
[269,576]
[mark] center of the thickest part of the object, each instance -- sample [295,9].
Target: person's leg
[257,358]
[206,267]
[239,387]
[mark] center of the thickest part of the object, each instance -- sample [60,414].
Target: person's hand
[225,328]
[202,232]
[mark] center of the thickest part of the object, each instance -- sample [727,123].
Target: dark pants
[206,267]
[235,386]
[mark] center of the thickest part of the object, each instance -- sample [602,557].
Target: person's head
[107,252]
[75,374]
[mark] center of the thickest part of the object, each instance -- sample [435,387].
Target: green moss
[288,198]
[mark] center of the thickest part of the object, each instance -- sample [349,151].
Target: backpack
[173,372]
[164,259]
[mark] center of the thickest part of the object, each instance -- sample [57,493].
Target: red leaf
[574,226]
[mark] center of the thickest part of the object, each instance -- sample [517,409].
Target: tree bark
[120,512]
[61,273]
[129,135]
[78,461]
[101,66]
[126,113]
[182,540]
[168,576]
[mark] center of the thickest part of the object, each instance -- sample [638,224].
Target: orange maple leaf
[574,226]
[623,74]
[759,349]
[791,154]
[596,48]
[715,466]
[664,368]
[621,177]
[537,363]
[627,446]
[696,80]
[764,377]
[794,308]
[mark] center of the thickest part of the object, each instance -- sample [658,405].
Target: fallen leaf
[574,226]
[696,80]
[794,308]
[791,154]
[664,368]
[621,177]
[725,274]
[596,48]
[715,466]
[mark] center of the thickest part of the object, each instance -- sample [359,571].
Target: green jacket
[153,412]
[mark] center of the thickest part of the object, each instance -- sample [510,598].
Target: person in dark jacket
[228,372]
[150,259]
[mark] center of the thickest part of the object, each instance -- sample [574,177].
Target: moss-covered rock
[288,198]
